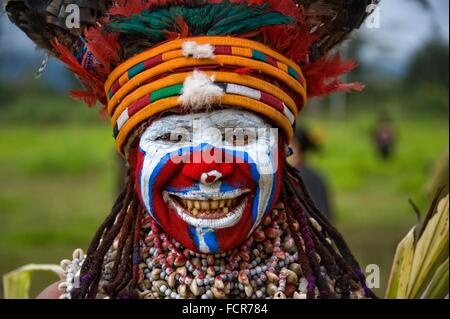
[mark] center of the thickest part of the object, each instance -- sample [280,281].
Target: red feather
[354,86]
[104,46]
[88,97]
[66,56]
[90,80]
[182,27]
[127,8]
[323,76]
[292,41]
[104,113]
[182,30]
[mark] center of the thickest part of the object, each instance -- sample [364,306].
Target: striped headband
[156,81]
[120,119]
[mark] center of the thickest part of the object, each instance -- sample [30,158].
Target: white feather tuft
[194,50]
[200,92]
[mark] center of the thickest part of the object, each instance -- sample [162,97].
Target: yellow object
[178,63]
[439,177]
[421,264]
[177,44]
[17,283]
[226,77]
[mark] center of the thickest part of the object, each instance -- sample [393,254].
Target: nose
[207,174]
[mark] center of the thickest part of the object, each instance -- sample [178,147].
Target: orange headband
[177,44]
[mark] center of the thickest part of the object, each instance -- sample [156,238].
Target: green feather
[212,19]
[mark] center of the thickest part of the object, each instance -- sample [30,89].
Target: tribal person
[203,98]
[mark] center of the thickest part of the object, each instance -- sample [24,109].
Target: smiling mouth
[218,211]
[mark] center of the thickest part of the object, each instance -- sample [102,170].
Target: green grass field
[371,196]
[58,181]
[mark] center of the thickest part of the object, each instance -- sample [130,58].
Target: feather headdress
[111,32]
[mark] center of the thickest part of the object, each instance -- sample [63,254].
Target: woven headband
[135,62]
[176,90]
[158,80]
[148,92]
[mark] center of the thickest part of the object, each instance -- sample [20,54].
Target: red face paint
[209,199]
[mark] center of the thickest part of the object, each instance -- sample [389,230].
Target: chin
[208,222]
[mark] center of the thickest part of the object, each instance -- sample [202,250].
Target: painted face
[208,179]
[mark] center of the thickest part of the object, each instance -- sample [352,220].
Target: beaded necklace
[265,266]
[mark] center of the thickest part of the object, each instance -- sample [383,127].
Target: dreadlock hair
[322,243]
[121,228]
[324,256]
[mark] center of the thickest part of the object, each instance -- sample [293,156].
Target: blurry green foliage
[429,65]
[32,101]
[431,99]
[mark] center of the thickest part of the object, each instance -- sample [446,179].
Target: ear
[43,20]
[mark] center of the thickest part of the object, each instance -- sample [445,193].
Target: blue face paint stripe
[255,175]
[183,191]
[211,241]
[225,188]
[272,194]
[193,233]
[274,182]
[151,185]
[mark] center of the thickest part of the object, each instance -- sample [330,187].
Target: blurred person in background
[304,144]
[384,137]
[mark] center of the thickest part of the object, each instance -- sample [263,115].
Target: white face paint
[210,195]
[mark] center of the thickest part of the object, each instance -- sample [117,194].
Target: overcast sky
[404,26]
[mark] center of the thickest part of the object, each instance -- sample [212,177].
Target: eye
[172,138]
[164,137]
[237,139]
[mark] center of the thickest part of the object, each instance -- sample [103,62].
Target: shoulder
[51,292]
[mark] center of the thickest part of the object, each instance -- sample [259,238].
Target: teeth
[211,208]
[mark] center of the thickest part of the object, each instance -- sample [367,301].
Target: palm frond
[421,268]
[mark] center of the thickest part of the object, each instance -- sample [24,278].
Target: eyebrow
[186,122]
[244,120]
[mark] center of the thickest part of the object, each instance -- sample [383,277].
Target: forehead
[228,118]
